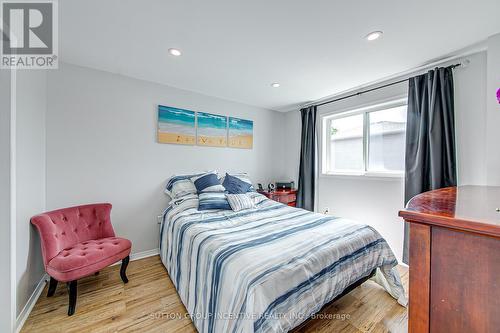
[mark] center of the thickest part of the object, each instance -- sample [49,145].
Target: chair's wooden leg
[52,287]
[123,269]
[72,297]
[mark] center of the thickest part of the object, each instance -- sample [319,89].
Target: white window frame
[325,125]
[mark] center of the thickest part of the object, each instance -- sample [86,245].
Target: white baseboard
[21,319]
[141,255]
[144,254]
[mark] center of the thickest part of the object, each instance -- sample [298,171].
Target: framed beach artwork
[240,133]
[211,130]
[176,126]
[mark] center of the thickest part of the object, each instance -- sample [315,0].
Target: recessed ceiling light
[174,52]
[374,35]
[275,85]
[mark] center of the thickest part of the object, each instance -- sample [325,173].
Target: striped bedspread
[270,268]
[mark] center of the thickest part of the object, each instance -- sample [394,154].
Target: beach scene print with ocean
[176,125]
[212,130]
[240,133]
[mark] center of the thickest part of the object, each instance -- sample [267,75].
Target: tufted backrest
[63,228]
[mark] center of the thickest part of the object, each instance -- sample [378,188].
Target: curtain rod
[371,89]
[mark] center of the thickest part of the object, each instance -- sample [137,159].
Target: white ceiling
[234,49]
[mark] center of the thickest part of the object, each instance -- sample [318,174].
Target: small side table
[287,197]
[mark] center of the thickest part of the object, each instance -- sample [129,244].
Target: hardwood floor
[146,303]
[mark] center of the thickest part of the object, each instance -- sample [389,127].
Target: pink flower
[498,95]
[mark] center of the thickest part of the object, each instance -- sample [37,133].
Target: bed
[270,268]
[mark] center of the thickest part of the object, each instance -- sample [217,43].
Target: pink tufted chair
[77,242]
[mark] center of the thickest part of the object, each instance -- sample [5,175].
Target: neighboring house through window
[367,141]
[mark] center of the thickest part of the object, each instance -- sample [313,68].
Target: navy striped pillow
[213,200]
[208,182]
[243,177]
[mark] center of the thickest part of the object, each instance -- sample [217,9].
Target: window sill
[397,176]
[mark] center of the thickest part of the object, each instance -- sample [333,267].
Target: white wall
[493,118]
[376,201]
[101,146]
[293,128]
[470,120]
[31,97]
[6,277]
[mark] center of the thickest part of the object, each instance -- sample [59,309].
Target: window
[346,143]
[369,141]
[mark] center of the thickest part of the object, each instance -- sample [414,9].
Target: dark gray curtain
[430,136]
[308,155]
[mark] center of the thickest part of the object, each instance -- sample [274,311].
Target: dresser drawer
[288,198]
[283,198]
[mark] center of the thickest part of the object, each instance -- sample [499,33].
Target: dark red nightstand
[287,197]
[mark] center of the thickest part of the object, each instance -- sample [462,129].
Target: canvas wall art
[240,133]
[211,130]
[176,126]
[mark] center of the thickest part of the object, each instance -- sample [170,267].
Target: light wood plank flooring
[105,304]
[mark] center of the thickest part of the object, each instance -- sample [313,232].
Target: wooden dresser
[287,197]
[454,260]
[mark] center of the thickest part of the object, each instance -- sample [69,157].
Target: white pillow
[256,197]
[240,201]
[180,185]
